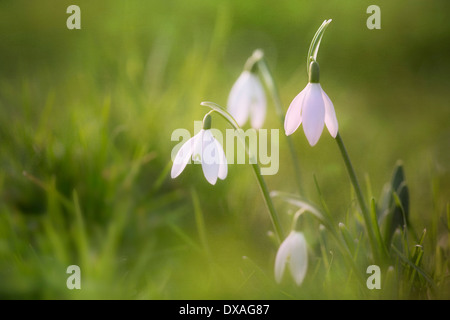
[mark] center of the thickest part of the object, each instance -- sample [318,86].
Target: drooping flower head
[247,98]
[292,252]
[205,149]
[313,108]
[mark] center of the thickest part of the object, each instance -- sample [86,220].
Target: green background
[86,118]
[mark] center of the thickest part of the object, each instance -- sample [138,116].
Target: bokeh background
[86,118]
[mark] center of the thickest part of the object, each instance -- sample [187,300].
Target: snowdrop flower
[292,251]
[247,98]
[203,148]
[312,107]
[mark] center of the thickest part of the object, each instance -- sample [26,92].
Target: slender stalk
[269,203]
[358,191]
[256,168]
[324,219]
[295,219]
[272,87]
[315,44]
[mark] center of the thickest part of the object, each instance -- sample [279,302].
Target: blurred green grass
[88,115]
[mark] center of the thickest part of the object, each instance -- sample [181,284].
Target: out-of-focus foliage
[86,118]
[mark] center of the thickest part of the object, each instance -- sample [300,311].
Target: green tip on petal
[207,122]
[314,72]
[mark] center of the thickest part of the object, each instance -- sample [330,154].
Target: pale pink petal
[330,116]
[293,117]
[313,113]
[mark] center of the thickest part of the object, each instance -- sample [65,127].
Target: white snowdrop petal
[223,166]
[330,116]
[182,158]
[197,146]
[281,258]
[313,113]
[239,98]
[298,263]
[210,157]
[293,117]
[258,106]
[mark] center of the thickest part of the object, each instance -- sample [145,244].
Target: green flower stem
[359,194]
[266,195]
[256,168]
[324,219]
[315,44]
[271,86]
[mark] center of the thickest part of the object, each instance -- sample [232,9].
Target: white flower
[204,148]
[292,251]
[312,107]
[246,99]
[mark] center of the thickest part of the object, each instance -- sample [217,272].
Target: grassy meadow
[86,118]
